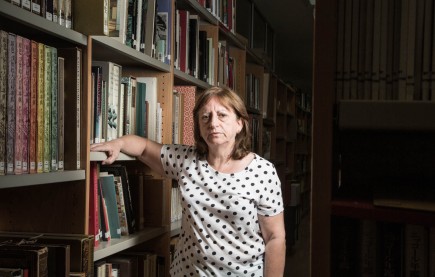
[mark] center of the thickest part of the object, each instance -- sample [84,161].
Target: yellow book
[40,111]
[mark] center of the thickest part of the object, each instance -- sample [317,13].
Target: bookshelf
[368,135]
[59,202]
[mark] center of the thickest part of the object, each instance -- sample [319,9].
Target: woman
[232,223]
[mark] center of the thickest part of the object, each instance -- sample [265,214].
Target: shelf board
[386,115]
[100,156]
[182,78]
[114,246]
[364,209]
[36,26]
[200,10]
[22,180]
[107,48]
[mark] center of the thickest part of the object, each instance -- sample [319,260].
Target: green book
[109,195]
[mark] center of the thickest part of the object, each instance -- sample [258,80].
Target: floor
[297,262]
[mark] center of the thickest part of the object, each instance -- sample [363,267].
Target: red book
[94,226]
[188,104]
[184,40]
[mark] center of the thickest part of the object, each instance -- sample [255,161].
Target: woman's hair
[231,100]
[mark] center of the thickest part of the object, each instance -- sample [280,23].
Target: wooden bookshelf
[27,200]
[372,118]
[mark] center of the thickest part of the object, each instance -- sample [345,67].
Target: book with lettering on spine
[54,111]
[40,111]
[36,6]
[12,62]
[61,110]
[47,108]
[73,88]
[26,103]
[33,106]
[18,140]
[3,96]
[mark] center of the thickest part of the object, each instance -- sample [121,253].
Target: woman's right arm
[143,149]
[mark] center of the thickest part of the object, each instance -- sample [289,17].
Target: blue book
[163,31]
[109,195]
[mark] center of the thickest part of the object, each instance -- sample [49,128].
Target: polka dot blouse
[220,234]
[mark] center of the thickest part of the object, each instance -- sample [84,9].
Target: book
[151,98]
[109,196]
[81,247]
[33,102]
[72,95]
[94,212]
[416,250]
[128,265]
[47,108]
[94,20]
[61,111]
[12,63]
[129,105]
[3,97]
[391,249]
[18,139]
[97,109]
[58,258]
[40,111]
[141,112]
[121,171]
[32,258]
[54,110]
[163,35]
[103,215]
[111,74]
[189,94]
[147,28]
[26,78]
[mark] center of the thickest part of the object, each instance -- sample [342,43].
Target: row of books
[383,248]
[123,105]
[48,254]
[223,10]
[123,202]
[143,25]
[33,92]
[253,92]
[194,48]
[131,264]
[58,11]
[385,50]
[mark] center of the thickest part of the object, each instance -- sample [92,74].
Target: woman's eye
[204,117]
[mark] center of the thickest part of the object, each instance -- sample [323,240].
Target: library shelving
[59,201]
[372,150]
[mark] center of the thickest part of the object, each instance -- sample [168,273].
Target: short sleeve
[271,201]
[174,157]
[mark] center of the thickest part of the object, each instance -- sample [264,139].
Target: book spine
[61,12]
[56,11]
[47,108]
[36,7]
[3,97]
[61,110]
[12,59]
[26,102]
[40,111]
[33,107]
[19,140]
[26,4]
[49,9]
[68,14]
[78,100]
[54,111]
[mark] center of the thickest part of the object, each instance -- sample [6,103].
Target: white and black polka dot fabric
[220,234]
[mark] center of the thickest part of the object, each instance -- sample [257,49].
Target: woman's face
[218,124]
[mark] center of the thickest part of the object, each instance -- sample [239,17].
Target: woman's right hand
[111,148]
